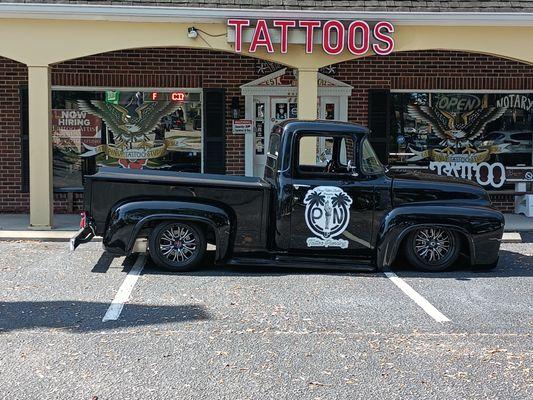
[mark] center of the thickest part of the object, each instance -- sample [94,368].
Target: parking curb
[512,237]
[44,236]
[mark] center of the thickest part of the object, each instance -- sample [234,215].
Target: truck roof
[291,125]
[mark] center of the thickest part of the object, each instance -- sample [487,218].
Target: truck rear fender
[481,226]
[126,221]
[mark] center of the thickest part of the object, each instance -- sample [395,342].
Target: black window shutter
[379,122]
[24,141]
[214,131]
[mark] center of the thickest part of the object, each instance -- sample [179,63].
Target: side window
[346,152]
[314,150]
[273,147]
[370,163]
[325,155]
[273,151]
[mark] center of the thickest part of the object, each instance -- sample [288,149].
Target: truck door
[332,210]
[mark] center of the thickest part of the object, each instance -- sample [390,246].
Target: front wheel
[177,246]
[431,249]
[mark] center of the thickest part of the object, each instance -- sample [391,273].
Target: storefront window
[461,127]
[128,129]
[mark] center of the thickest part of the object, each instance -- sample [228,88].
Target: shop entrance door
[274,98]
[271,110]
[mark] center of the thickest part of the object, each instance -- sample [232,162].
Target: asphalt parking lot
[86,326]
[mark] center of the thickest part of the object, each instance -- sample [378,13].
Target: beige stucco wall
[44,42]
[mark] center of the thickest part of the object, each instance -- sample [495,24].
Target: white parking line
[418,299]
[123,294]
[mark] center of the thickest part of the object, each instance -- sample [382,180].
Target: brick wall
[12,76]
[167,67]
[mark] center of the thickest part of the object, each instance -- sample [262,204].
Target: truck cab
[325,181]
[325,201]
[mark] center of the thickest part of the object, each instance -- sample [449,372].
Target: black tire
[432,248]
[177,246]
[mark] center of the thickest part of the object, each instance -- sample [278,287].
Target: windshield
[370,163]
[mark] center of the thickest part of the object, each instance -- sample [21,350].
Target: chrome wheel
[433,245]
[178,243]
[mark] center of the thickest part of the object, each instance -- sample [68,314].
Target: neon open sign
[173,96]
[357,37]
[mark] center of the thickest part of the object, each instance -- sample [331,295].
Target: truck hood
[416,187]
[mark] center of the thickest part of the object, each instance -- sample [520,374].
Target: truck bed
[185,178]
[246,197]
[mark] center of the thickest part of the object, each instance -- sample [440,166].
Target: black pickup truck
[326,201]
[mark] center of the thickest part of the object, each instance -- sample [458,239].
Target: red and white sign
[357,37]
[242,126]
[76,127]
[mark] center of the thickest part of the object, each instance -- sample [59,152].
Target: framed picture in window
[293,110]
[281,111]
[259,110]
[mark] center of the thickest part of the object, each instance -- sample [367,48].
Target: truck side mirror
[351,168]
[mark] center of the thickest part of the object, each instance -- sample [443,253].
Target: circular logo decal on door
[327,214]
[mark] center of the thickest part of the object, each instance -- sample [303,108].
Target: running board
[305,262]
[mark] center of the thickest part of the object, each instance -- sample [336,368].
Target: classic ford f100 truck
[326,201]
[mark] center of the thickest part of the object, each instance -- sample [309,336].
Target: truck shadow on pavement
[510,264]
[86,316]
[103,264]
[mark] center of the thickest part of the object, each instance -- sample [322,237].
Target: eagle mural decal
[131,126]
[457,130]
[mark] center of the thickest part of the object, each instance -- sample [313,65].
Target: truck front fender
[481,226]
[126,221]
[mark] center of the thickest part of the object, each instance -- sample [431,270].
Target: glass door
[328,108]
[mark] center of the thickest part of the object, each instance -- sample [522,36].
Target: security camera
[192,33]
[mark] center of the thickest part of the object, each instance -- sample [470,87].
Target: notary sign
[358,37]
[242,126]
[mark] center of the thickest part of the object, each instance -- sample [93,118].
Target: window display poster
[293,110]
[281,111]
[260,110]
[259,137]
[76,126]
[71,130]
[259,129]
[330,111]
[259,146]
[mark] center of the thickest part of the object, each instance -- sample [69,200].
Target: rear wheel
[431,249]
[177,246]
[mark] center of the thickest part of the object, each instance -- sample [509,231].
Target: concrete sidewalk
[16,227]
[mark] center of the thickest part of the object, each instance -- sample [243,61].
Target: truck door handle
[301,186]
